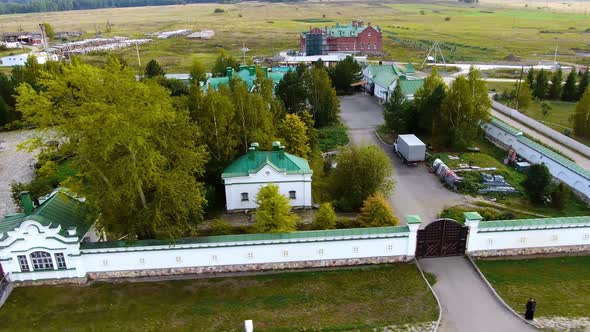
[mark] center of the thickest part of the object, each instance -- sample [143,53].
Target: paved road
[468,305]
[15,166]
[416,191]
[574,155]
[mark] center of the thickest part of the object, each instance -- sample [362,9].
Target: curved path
[468,304]
[416,191]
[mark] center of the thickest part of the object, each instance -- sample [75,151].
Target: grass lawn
[500,87]
[346,299]
[332,137]
[560,285]
[265,28]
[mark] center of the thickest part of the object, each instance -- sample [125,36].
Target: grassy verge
[332,137]
[560,285]
[346,299]
[387,135]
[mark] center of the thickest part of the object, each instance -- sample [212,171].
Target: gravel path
[15,166]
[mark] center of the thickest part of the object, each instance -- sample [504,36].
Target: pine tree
[555,87]
[325,217]
[273,214]
[197,72]
[525,96]
[541,84]
[153,69]
[582,116]
[376,212]
[583,84]
[394,112]
[569,89]
[530,78]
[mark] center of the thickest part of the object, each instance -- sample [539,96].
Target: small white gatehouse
[256,169]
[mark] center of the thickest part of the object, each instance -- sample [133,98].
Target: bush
[325,217]
[537,183]
[377,212]
[447,18]
[560,195]
[218,10]
[345,222]
[220,227]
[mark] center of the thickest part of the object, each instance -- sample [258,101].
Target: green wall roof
[540,223]
[58,209]
[254,160]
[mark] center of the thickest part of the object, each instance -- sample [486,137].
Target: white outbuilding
[246,175]
[21,59]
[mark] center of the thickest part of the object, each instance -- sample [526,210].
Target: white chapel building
[246,175]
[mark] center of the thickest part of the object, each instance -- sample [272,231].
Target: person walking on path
[531,306]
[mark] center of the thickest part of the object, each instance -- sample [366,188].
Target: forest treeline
[37,6]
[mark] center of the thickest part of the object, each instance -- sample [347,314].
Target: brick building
[353,38]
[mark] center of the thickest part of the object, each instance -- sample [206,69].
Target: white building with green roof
[381,80]
[246,175]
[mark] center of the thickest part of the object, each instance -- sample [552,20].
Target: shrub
[377,212]
[448,18]
[345,222]
[537,183]
[325,217]
[220,227]
[560,195]
[218,11]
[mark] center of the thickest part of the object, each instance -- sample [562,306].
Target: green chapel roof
[58,209]
[409,87]
[255,160]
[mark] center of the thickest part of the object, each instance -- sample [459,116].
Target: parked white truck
[410,149]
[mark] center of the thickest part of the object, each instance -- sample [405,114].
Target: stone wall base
[581,249]
[203,270]
[49,282]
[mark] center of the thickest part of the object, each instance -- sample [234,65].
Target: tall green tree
[273,214]
[428,100]
[537,183]
[360,172]
[555,88]
[530,79]
[396,112]
[582,116]
[197,72]
[49,32]
[583,83]
[222,62]
[465,106]
[138,158]
[324,104]
[292,92]
[344,73]
[153,69]
[541,85]
[293,133]
[525,96]
[376,212]
[569,88]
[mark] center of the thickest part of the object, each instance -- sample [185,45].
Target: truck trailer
[410,149]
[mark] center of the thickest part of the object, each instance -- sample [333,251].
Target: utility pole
[244,50]
[138,58]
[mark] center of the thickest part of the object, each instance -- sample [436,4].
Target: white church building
[246,175]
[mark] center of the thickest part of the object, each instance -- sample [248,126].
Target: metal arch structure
[442,237]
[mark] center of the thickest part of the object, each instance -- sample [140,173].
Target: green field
[560,285]
[345,299]
[466,32]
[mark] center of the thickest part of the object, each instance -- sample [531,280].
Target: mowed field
[354,299]
[468,33]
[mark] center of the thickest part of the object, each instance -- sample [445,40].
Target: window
[24,264]
[141,261]
[245,197]
[292,194]
[214,258]
[105,262]
[389,247]
[369,34]
[523,239]
[178,259]
[250,255]
[362,46]
[554,237]
[355,250]
[61,261]
[321,252]
[375,46]
[41,260]
[285,253]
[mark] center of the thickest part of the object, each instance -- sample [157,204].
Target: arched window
[41,260]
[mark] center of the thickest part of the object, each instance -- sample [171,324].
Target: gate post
[472,220]
[413,222]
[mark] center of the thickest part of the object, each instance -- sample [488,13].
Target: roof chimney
[265,71]
[27,203]
[252,70]
[254,146]
[228,72]
[276,146]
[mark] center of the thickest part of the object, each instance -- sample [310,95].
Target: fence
[543,129]
[527,236]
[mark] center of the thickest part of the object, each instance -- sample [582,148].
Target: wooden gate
[443,237]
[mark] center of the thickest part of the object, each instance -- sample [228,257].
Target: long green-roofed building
[381,80]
